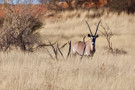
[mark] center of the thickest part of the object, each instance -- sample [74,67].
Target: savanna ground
[105,71]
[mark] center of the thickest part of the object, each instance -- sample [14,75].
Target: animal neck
[92,47]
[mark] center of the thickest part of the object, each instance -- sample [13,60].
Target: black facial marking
[89,35]
[93,39]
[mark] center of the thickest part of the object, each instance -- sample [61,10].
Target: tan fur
[79,48]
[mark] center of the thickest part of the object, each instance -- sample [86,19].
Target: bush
[122,5]
[1,21]
[19,27]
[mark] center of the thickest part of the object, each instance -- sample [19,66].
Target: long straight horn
[97,28]
[89,28]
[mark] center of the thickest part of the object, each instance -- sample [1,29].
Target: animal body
[86,48]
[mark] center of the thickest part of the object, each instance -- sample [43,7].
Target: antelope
[86,48]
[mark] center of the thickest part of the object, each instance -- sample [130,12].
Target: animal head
[93,37]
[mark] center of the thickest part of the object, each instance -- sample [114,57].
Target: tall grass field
[105,71]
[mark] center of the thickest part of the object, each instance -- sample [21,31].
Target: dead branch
[107,33]
[43,45]
[63,45]
[49,53]
[69,49]
[59,50]
[54,50]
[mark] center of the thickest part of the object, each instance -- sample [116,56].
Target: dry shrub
[116,51]
[1,21]
[122,5]
[107,33]
[57,51]
[20,25]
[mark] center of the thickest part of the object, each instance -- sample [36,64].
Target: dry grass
[37,71]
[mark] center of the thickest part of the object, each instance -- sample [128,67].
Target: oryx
[86,48]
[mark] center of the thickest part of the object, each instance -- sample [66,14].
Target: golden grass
[37,71]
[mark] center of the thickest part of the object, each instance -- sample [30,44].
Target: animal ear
[89,35]
[97,36]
